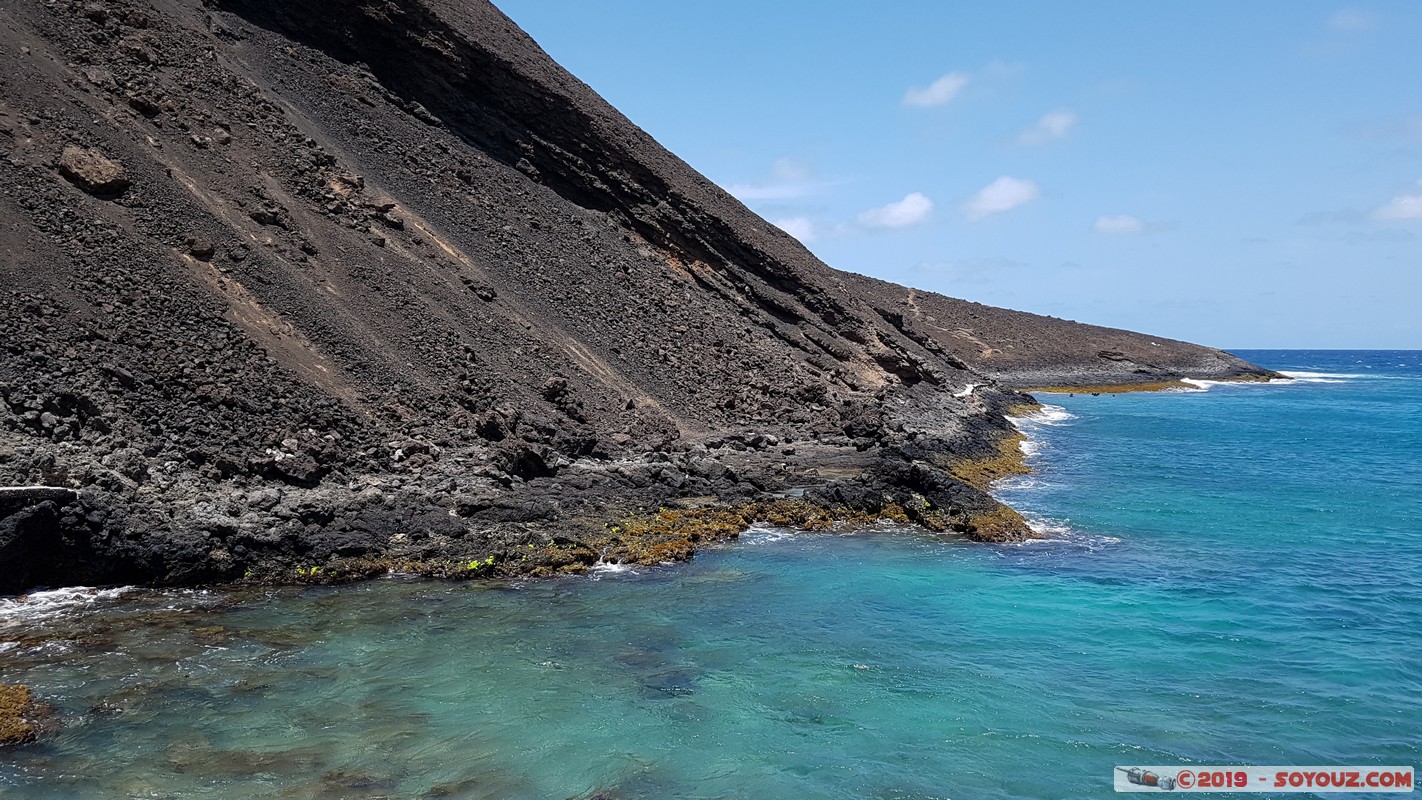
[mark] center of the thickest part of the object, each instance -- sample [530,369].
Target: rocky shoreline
[452,514]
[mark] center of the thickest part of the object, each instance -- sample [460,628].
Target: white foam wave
[1319,377]
[611,568]
[759,535]
[1046,415]
[1018,483]
[1295,378]
[1198,384]
[1308,374]
[39,606]
[1051,531]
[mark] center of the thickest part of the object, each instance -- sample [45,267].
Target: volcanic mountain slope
[300,283]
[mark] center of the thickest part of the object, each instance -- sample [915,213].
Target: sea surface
[1231,575]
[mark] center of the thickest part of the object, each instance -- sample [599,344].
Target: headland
[306,291]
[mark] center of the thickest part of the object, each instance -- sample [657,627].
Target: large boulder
[93,171]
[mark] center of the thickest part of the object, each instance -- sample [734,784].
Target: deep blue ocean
[1231,576]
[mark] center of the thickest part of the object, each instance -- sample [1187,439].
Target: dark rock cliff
[300,283]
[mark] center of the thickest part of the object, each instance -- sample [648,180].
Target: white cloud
[1052,126]
[789,180]
[1351,19]
[1118,225]
[799,227]
[937,93]
[1003,194]
[1404,206]
[912,210]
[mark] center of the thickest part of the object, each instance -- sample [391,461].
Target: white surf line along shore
[1295,378]
[1048,529]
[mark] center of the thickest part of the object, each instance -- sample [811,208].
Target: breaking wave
[1296,378]
[1046,415]
[758,535]
[39,606]
[1323,377]
[611,568]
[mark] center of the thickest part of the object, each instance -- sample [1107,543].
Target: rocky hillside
[292,286]
[1029,351]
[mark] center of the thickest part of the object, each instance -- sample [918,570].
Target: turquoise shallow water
[1232,576]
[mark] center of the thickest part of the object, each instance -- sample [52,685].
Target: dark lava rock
[200,248]
[13,497]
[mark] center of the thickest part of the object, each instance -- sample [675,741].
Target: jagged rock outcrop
[290,284]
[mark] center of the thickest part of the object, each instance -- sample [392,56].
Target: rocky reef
[309,290]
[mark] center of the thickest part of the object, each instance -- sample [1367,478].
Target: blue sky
[1237,174]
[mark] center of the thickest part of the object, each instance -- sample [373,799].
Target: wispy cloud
[1052,126]
[1383,235]
[1406,129]
[914,209]
[1118,225]
[940,92]
[799,227]
[1352,19]
[1407,205]
[789,180]
[983,269]
[1003,194]
[747,192]
[1347,216]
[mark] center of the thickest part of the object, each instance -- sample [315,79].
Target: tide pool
[1230,576]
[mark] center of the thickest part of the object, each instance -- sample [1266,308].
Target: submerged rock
[22,717]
